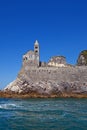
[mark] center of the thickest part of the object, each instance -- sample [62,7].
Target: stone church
[32,59]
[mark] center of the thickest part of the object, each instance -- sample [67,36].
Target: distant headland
[56,78]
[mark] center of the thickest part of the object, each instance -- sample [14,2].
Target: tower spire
[36,42]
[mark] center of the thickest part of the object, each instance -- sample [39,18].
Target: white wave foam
[7,106]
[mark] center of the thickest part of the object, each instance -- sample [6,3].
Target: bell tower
[36,52]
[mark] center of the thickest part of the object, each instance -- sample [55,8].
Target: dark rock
[82,59]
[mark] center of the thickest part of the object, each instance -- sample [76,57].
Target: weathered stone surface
[67,80]
[57,61]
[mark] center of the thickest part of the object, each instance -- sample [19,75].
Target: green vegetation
[84,53]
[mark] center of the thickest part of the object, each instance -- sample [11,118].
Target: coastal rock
[53,79]
[69,80]
[13,86]
[82,59]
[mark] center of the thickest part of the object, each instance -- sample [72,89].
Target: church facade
[31,58]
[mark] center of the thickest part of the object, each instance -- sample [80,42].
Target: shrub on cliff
[82,59]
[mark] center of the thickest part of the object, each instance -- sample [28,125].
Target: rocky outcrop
[66,82]
[82,59]
[58,79]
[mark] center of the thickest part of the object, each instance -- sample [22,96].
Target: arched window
[36,51]
[36,47]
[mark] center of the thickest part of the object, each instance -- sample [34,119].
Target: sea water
[43,114]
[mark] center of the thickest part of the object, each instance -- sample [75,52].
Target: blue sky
[60,26]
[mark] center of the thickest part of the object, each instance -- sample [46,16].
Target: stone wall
[68,74]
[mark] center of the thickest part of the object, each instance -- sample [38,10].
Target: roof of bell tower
[36,42]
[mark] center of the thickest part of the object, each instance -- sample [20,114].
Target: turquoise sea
[43,114]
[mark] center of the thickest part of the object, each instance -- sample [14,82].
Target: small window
[36,51]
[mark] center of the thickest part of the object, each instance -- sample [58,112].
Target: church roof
[29,52]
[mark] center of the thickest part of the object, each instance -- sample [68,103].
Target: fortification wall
[66,74]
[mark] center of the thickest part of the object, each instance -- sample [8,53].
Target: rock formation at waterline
[53,79]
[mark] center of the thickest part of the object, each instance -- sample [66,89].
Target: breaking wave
[7,106]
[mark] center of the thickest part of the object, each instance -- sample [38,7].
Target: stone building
[57,61]
[31,58]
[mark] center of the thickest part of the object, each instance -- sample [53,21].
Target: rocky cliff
[66,81]
[56,79]
[82,59]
